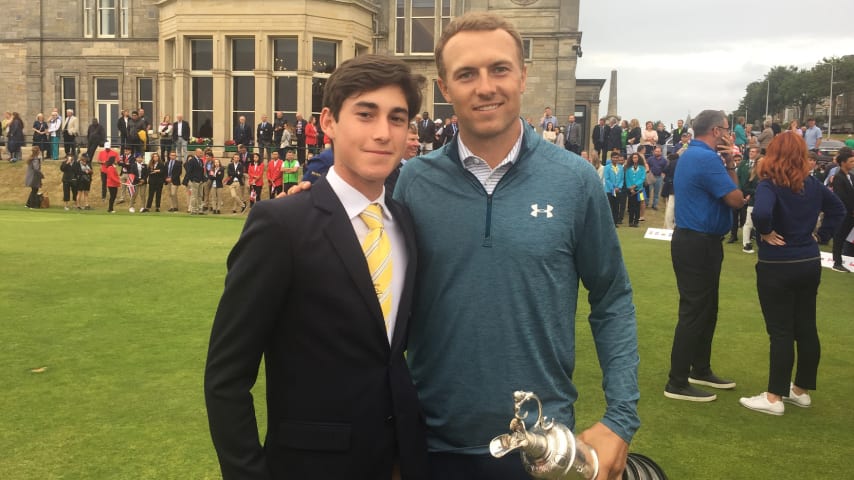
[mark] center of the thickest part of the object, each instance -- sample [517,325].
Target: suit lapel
[339,232]
[401,216]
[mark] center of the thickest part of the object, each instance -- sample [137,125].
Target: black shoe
[838,267]
[732,239]
[157,210]
[243,208]
[688,393]
[711,380]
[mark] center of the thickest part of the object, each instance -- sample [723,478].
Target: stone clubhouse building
[214,60]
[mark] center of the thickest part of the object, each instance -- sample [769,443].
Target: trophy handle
[522,397]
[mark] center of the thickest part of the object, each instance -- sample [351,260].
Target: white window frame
[440,19]
[92,15]
[281,73]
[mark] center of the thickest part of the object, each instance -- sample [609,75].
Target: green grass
[118,308]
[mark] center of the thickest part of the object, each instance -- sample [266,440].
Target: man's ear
[444,89]
[328,123]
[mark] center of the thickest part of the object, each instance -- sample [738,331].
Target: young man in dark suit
[174,168]
[320,284]
[265,138]
[180,136]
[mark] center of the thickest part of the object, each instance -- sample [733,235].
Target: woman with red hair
[787,203]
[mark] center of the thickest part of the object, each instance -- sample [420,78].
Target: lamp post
[767,95]
[830,101]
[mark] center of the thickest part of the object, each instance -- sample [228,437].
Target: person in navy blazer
[299,293]
[243,132]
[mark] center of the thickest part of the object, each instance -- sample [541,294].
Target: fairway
[118,310]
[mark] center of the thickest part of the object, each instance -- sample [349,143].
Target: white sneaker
[760,403]
[131,210]
[803,400]
[66,209]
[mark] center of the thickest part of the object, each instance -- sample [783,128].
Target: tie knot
[373,216]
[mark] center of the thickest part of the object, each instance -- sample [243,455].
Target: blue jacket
[635,178]
[498,279]
[614,179]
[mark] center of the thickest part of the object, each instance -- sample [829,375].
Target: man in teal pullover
[507,224]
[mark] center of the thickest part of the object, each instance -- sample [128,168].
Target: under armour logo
[536,210]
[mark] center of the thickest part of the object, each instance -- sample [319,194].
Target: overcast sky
[676,58]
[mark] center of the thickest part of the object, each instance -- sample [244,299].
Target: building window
[88,18]
[243,80]
[106,18]
[201,54]
[441,108]
[527,48]
[416,20]
[202,106]
[124,17]
[243,54]
[145,93]
[69,94]
[324,60]
[201,86]
[285,65]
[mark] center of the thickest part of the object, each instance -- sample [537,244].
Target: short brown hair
[476,22]
[367,73]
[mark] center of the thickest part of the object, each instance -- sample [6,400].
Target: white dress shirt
[354,204]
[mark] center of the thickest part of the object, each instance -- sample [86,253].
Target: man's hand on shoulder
[610,448]
[299,187]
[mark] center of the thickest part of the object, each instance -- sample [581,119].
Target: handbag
[45,200]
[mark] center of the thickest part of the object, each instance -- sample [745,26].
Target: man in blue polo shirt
[706,184]
[812,135]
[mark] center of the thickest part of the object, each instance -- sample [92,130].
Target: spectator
[256,179]
[426,132]
[667,191]
[740,134]
[657,163]
[812,135]
[649,136]
[95,137]
[843,187]
[216,176]
[265,131]
[615,183]
[156,179]
[165,131]
[33,179]
[234,182]
[180,136]
[138,179]
[70,130]
[547,118]
[707,194]
[290,169]
[633,137]
[40,135]
[15,139]
[438,139]
[600,137]
[614,137]
[208,180]
[635,174]
[103,156]
[549,134]
[54,125]
[572,141]
[766,136]
[788,201]
[84,182]
[663,135]
[194,175]
[274,175]
[69,181]
[311,134]
[113,182]
[173,179]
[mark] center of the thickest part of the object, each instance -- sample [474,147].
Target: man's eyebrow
[374,106]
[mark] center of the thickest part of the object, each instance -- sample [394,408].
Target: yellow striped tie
[377,248]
